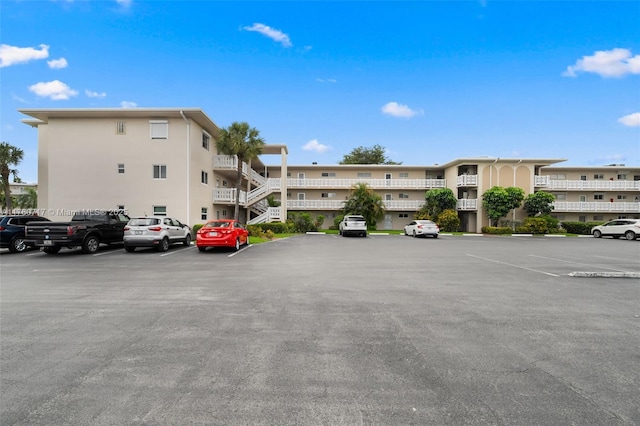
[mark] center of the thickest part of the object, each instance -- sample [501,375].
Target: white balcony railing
[262,191]
[228,195]
[395,205]
[586,185]
[273,214]
[371,183]
[596,206]
[228,162]
[467,180]
[467,204]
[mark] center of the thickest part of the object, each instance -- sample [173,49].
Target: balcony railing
[228,196]
[467,204]
[586,185]
[467,180]
[394,205]
[596,206]
[269,186]
[371,183]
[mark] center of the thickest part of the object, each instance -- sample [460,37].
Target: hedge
[580,228]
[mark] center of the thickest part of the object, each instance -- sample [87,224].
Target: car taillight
[2,228]
[126,228]
[155,228]
[419,226]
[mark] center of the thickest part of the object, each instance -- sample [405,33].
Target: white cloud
[124,3]
[12,55]
[272,33]
[314,145]
[327,80]
[91,94]
[631,120]
[57,64]
[607,63]
[397,110]
[128,104]
[56,90]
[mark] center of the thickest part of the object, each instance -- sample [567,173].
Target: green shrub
[580,228]
[336,221]
[553,224]
[197,226]
[497,230]
[533,225]
[319,221]
[259,229]
[448,221]
[300,222]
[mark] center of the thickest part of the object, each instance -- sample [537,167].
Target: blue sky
[429,81]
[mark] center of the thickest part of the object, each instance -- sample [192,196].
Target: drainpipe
[188,166]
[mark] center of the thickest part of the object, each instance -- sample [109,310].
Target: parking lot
[321,329]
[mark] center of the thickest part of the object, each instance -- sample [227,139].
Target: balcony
[467,180]
[586,185]
[326,204]
[333,183]
[228,196]
[596,206]
[467,204]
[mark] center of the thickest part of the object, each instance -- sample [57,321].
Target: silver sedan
[422,228]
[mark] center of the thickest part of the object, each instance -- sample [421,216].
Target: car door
[612,228]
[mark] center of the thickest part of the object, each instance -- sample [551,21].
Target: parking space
[322,329]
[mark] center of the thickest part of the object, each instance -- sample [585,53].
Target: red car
[222,233]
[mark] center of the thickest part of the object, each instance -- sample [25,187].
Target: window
[159,171]
[159,129]
[582,198]
[598,176]
[583,177]
[622,176]
[364,174]
[403,175]
[328,174]
[121,128]
[206,141]
[403,196]
[204,177]
[301,196]
[300,175]
[582,218]
[559,176]
[560,196]
[159,210]
[224,213]
[622,197]
[328,195]
[121,168]
[598,217]
[403,215]
[288,174]
[203,213]
[388,197]
[598,196]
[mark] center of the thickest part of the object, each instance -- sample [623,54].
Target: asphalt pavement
[325,330]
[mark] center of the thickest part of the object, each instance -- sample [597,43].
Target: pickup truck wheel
[51,250]
[17,245]
[187,240]
[164,244]
[129,249]
[90,244]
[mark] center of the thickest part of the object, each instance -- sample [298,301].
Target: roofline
[473,160]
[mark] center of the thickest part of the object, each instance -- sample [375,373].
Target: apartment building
[164,161]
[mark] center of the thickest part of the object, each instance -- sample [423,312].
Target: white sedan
[422,228]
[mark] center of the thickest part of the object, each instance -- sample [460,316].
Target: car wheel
[435,235]
[630,235]
[17,245]
[90,244]
[129,249]
[237,246]
[597,234]
[246,243]
[51,250]
[406,234]
[201,249]
[164,244]
[414,234]
[187,240]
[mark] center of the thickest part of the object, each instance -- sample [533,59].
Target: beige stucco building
[164,161]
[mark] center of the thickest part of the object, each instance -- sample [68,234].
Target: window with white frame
[560,196]
[300,175]
[583,177]
[159,210]
[598,176]
[328,195]
[582,198]
[203,213]
[622,197]
[598,196]
[364,174]
[121,127]
[121,168]
[388,197]
[328,174]
[598,217]
[403,196]
[403,175]
[288,174]
[206,141]
[159,129]
[622,176]
[582,218]
[300,196]
[558,176]
[159,171]
[204,177]
[224,213]
[403,215]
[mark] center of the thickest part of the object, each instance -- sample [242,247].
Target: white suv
[628,228]
[155,231]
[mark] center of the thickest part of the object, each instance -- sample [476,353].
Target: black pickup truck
[86,229]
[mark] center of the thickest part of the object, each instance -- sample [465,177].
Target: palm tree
[29,200]
[366,202]
[246,144]
[10,156]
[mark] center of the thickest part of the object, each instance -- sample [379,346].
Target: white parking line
[241,250]
[177,250]
[515,266]
[576,263]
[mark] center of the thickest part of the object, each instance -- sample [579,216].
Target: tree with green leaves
[539,203]
[28,200]
[10,157]
[365,202]
[245,143]
[498,201]
[365,155]
[436,201]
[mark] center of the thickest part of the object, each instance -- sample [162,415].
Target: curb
[605,274]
